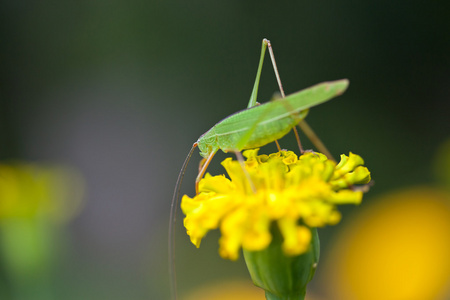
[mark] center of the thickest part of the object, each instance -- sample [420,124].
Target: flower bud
[280,275]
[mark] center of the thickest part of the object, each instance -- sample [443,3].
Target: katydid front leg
[204,163]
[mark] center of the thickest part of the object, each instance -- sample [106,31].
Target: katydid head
[207,143]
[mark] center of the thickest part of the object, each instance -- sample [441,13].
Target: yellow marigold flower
[295,192]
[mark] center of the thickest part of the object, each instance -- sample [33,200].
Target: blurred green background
[120,90]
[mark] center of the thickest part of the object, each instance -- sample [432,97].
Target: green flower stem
[270,296]
[283,277]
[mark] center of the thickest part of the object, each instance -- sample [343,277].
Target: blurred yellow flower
[229,289]
[38,191]
[36,201]
[295,192]
[225,290]
[398,249]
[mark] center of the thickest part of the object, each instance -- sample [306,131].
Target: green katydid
[254,127]
[259,125]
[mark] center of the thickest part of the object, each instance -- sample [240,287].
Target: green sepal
[283,277]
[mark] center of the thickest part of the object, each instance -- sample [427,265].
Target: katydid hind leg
[312,136]
[280,86]
[253,98]
[254,95]
[275,68]
[172,222]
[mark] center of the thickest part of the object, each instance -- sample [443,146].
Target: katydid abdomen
[263,133]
